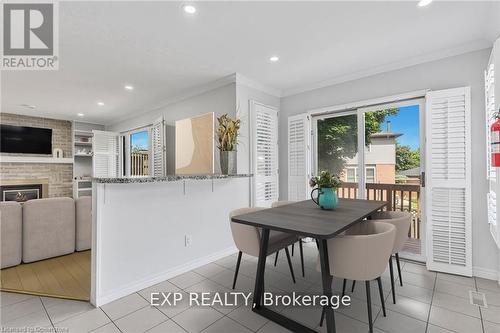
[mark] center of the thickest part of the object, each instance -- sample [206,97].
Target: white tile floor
[428,302]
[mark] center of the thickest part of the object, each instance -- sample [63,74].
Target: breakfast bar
[148,229]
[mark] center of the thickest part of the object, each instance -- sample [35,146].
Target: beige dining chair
[247,240]
[284,203]
[361,254]
[402,221]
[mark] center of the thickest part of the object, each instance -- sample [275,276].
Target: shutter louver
[265,155]
[448,192]
[105,154]
[298,139]
[158,148]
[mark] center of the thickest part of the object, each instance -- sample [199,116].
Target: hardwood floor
[65,277]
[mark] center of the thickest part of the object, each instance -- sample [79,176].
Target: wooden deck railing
[402,197]
[139,163]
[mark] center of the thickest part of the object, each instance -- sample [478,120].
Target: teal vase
[327,198]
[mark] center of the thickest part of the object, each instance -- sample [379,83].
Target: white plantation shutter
[106,151]
[448,174]
[158,148]
[265,155]
[298,157]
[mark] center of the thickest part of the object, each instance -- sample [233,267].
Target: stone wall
[60,176]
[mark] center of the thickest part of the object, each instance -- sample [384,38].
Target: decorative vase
[228,162]
[327,198]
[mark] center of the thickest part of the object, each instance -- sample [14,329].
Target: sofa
[44,228]
[11,217]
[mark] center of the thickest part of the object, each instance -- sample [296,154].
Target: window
[370,174]
[352,174]
[138,153]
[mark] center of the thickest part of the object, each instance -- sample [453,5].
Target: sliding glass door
[376,151]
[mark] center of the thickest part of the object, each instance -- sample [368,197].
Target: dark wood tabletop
[307,219]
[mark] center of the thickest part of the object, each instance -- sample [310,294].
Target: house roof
[387,135]
[414,172]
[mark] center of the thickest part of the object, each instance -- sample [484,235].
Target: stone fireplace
[23,189]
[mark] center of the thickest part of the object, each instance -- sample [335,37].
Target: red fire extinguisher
[495,141]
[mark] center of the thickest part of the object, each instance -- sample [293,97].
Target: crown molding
[462,49]
[245,81]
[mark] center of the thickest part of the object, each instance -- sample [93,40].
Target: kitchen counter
[168,178]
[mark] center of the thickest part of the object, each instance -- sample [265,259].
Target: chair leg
[302,257]
[322,318]
[293,248]
[237,269]
[369,302]
[399,270]
[392,280]
[353,284]
[289,263]
[380,291]
[276,258]
[343,287]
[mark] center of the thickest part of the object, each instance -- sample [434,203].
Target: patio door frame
[359,109]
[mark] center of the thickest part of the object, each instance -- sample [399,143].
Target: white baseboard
[485,273]
[145,283]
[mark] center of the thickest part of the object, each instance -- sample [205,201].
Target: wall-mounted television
[25,140]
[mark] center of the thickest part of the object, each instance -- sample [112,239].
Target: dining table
[306,219]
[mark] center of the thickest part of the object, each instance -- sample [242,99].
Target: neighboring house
[380,160]
[410,176]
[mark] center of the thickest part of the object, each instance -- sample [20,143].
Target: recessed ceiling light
[80,114]
[190,9]
[129,87]
[423,3]
[274,58]
[100,103]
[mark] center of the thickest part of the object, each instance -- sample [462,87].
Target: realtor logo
[29,36]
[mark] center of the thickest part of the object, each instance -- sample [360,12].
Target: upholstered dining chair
[247,240]
[361,254]
[284,203]
[402,221]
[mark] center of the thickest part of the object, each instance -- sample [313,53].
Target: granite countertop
[169,178]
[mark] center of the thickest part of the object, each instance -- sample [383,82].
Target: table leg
[261,266]
[327,283]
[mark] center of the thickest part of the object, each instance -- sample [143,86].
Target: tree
[337,137]
[406,158]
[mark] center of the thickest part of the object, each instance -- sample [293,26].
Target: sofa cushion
[83,223]
[48,228]
[11,217]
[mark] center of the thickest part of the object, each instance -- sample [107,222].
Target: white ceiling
[162,52]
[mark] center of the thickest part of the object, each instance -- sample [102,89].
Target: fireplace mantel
[34,159]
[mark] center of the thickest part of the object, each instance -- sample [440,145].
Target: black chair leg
[369,302]
[392,280]
[343,287]
[353,284]
[237,269]
[289,263]
[380,291]
[302,257]
[322,317]
[293,248]
[399,270]
[276,258]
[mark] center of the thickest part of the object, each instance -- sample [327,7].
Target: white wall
[463,70]
[220,100]
[139,231]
